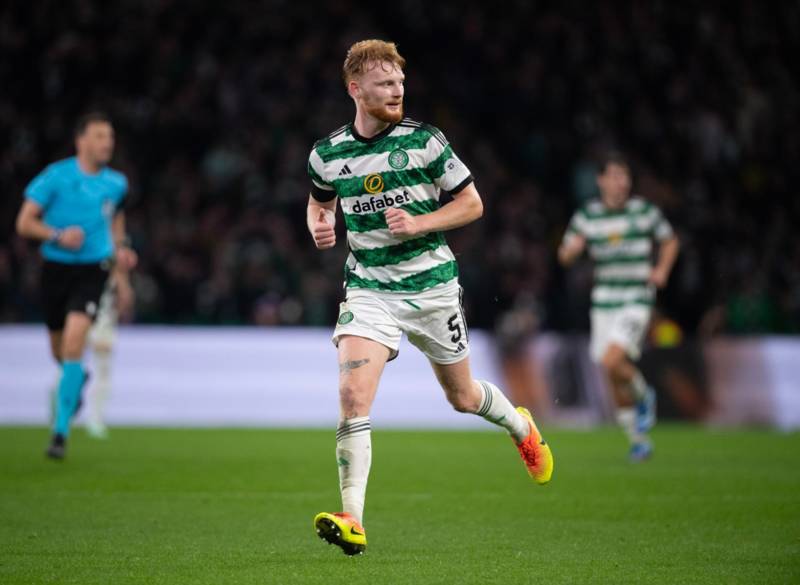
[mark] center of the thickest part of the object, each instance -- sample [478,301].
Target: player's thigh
[436,325]
[614,356]
[361,363]
[74,335]
[458,385]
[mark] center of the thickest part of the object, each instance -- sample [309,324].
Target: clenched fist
[71,238]
[322,231]
[400,222]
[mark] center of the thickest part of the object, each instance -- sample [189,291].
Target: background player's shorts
[433,321]
[71,287]
[103,332]
[625,327]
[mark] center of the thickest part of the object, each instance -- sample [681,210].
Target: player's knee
[461,405]
[612,361]
[464,401]
[71,356]
[354,399]
[72,349]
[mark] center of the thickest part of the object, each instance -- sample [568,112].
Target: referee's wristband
[53,239]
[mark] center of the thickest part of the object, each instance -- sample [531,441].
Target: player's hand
[570,250]
[126,258]
[401,223]
[658,277]
[323,233]
[71,238]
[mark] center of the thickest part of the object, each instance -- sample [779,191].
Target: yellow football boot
[342,530]
[535,451]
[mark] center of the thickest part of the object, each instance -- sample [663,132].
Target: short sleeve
[445,168]
[321,190]
[577,227]
[42,188]
[122,196]
[662,230]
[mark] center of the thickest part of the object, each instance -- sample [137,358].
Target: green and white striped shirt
[620,241]
[405,166]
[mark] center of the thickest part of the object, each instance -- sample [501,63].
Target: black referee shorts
[71,287]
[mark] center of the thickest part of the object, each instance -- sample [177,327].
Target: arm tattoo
[349,365]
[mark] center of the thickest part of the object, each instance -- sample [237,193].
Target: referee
[75,208]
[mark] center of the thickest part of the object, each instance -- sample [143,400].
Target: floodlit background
[216,107]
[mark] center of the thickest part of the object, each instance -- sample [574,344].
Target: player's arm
[321,220]
[124,256]
[571,249]
[465,208]
[125,260]
[30,225]
[574,242]
[322,201]
[667,255]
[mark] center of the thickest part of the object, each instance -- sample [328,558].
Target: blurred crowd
[217,106]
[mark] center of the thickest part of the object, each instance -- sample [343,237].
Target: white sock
[626,417]
[354,457]
[101,388]
[638,386]
[497,409]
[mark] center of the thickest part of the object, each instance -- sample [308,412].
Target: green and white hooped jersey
[621,244]
[405,166]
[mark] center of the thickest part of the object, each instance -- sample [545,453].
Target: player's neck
[368,126]
[614,205]
[88,166]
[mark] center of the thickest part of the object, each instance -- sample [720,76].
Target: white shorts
[104,329]
[433,321]
[625,327]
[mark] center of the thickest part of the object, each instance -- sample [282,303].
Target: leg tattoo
[350,365]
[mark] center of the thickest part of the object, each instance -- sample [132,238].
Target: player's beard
[384,114]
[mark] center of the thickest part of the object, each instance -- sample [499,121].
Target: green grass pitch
[236,506]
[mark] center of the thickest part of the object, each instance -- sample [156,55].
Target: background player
[400,275]
[619,231]
[116,303]
[74,207]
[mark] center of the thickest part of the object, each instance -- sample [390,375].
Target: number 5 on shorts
[453,326]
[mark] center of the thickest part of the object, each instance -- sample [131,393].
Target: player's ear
[353,89]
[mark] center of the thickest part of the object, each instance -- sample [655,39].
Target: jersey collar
[382,134]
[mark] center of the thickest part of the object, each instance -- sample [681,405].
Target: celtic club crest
[398,159]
